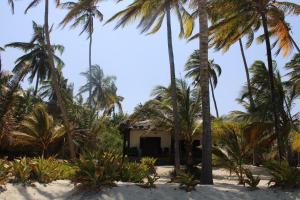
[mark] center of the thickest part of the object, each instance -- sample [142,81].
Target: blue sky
[139,62]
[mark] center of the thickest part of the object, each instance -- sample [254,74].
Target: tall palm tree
[39,129]
[54,78]
[104,91]
[36,56]
[248,15]
[192,68]
[206,175]
[83,13]
[151,14]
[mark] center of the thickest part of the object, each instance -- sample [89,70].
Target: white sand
[225,187]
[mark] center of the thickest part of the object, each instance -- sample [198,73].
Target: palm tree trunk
[272,88]
[206,175]
[252,104]
[90,68]
[247,75]
[55,83]
[174,95]
[214,98]
[37,83]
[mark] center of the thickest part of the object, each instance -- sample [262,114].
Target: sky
[138,61]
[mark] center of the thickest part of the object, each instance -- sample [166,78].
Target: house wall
[135,136]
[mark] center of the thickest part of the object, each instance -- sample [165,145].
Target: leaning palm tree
[36,56]
[104,91]
[192,68]
[39,129]
[54,78]
[240,18]
[83,13]
[151,14]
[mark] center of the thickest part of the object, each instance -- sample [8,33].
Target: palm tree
[54,78]
[246,15]
[152,13]
[263,101]
[36,56]
[39,129]
[192,68]
[83,13]
[159,111]
[104,91]
[294,72]
[206,175]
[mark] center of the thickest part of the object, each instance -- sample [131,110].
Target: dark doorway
[150,146]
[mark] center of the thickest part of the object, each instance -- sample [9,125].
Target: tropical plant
[294,72]
[21,170]
[104,91]
[55,77]
[262,116]
[134,172]
[46,170]
[283,175]
[268,14]
[232,148]
[36,56]
[192,68]
[151,14]
[39,129]
[186,181]
[159,112]
[83,12]
[98,169]
[4,171]
[251,180]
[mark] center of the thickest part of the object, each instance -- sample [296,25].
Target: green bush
[4,171]
[150,164]
[134,172]
[98,169]
[48,170]
[283,175]
[21,170]
[251,180]
[186,181]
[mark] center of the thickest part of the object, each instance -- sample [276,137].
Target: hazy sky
[139,62]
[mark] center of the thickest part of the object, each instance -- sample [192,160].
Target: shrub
[283,175]
[251,180]
[150,164]
[151,180]
[134,172]
[98,169]
[4,171]
[186,181]
[48,170]
[21,170]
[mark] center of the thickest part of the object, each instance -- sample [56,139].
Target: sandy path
[223,189]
